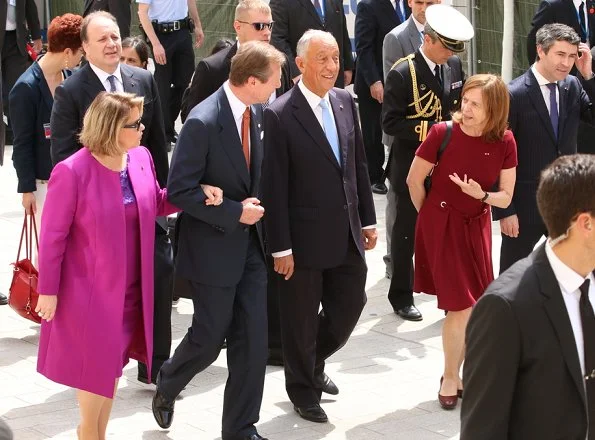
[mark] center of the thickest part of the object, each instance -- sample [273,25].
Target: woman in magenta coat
[96,258]
[453,247]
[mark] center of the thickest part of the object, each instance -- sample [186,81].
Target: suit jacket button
[344,206]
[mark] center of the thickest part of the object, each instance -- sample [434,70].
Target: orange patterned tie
[246,135]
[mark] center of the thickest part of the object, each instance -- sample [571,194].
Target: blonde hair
[104,119]
[244,6]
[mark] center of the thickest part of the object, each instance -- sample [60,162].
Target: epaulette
[408,57]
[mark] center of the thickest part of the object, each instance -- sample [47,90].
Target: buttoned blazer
[27,20]
[74,96]
[537,145]
[212,242]
[522,373]
[374,19]
[294,17]
[314,205]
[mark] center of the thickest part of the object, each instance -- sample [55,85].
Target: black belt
[168,27]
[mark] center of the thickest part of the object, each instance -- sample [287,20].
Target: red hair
[65,33]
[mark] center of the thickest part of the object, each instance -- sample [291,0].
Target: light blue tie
[330,129]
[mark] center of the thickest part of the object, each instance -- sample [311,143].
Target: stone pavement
[387,373]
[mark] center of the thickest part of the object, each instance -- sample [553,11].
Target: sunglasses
[136,125]
[260,26]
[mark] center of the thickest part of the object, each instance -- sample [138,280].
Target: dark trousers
[370,110]
[163,286]
[400,293]
[310,336]
[14,64]
[515,249]
[274,285]
[174,76]
[238,314]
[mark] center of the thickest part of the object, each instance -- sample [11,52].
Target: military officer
[420,90]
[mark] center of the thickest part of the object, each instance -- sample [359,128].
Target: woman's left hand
[468,186]
[214,195]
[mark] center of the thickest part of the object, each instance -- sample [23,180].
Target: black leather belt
[168,27]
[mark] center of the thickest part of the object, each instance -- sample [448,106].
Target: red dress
[453,234]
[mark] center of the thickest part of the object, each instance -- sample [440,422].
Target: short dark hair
[64,32]
[89,18]
[140,47]
[566,189]
[254,58]
[548,34]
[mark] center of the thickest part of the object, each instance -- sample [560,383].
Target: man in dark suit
[253,22]
[545,126]
[374,19]
[398,43]
[318,198]
[421,90]
[529,368]
[294,17]
[220,251]
[118,8]
[18,21]
[103,72]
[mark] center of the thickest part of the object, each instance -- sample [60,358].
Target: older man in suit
[221,251]
[546,106]
[294,17]
[398,43]
[118,8]
[374,19]
[18,21]
[101,41]
[529,368]
[320,219]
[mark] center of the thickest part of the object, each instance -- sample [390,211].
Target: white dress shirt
[431,64]
[237,109]
[321,6]
[103,77]
[577,4]
[545,91]
[569,282]
[11,16]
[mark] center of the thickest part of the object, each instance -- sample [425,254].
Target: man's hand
[370,236]
[510,226]
[584,60]
[214,195]
[46,306]
[29,203]
[347,75]
[252,212]
[198,35]
[37,45]
[377,91]
[159,54]
[284,266]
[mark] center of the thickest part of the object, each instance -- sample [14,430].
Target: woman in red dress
[453,245]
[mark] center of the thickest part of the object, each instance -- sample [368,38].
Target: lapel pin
[422,87]
[341,106]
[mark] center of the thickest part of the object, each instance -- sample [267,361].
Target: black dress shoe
[379,188]
[328,386]
[312,413]
[3,299]
[163,410]
[410,313]
[255,437]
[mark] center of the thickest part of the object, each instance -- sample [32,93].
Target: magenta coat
[82,260]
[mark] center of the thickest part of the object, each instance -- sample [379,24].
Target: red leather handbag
[23,294]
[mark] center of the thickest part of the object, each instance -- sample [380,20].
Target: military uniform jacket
[413,102]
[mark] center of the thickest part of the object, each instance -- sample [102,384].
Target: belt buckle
[177,25]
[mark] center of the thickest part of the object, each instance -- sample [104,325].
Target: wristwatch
[485,196]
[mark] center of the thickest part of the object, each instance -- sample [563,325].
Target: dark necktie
[588,322]
[438,74]
[112,83]
[399,12]
[246,135]
[319,10]
[582,22]
[553,107]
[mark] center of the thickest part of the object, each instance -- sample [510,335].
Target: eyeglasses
[260,26]
[136,125]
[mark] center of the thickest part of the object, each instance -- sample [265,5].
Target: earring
[66,63]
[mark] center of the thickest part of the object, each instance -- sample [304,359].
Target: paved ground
[387,373]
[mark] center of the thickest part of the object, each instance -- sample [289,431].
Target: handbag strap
[23,235]
[445,141]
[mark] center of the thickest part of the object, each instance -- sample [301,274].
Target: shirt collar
[237,107]
[577,3]
[431,64]
[312,98]
[420,27]
[568,279]
[539,77]
[103,75]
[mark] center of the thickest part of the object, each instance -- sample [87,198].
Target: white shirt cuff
[282,253]
[369,227]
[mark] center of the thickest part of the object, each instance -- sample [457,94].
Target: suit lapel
[307,4]
[414,35]
[421,66]
[129,82]
[94,86]
[558,315]
[563,89]
[536,97]
[46,95]
[342,126]
[446,81]
[256,152]
[230,139]
[306,117]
